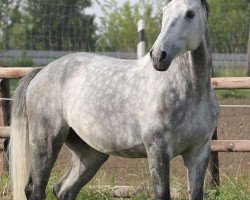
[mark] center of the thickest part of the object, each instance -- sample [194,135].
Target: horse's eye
[190,14]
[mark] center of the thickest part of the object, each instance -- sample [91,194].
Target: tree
[3,20]
[60,25]
[118,30]
[51,25]
[10,19]
[228,22]
[229,25]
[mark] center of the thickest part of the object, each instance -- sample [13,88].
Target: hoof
[64,195]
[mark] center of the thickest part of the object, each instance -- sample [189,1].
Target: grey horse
[157,107]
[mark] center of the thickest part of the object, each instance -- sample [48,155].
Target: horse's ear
[206,5]
[165,4]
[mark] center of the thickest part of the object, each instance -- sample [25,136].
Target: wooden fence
[217,145]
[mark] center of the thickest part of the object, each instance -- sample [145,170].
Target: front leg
[159,162]
[196,163]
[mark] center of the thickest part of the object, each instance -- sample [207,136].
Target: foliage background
[64,25]
[47,25]
[229,25]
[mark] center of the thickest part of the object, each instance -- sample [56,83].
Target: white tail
[20,154]
[20,157]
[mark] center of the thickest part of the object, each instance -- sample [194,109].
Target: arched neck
[200,65]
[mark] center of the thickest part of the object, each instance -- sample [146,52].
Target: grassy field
[233,94]
[231,189]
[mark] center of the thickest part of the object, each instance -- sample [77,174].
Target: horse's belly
[118,146]
[137,151]
[117,141]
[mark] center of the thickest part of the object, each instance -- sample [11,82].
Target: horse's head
[183,26]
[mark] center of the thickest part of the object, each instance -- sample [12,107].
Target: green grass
[231,189]
[4,185]
[233,94]
[229,72]
[23,61]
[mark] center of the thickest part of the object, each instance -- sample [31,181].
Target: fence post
[214,180]
[248,55]
[4,114]
[141,35]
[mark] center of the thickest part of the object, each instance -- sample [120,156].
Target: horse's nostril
[151,53]
[163,55]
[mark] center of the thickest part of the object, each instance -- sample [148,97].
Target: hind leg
[85,164]
[47,136]
[74,166]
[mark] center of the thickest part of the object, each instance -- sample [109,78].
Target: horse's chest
[195,127]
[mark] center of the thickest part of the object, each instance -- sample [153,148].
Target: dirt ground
[234,123]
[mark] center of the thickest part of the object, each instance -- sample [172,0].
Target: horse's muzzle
[161,61]
[161,66]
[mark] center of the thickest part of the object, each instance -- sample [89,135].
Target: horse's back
[77,77]
[92,94]
[80,67]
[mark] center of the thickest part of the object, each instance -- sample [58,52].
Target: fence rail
[217,83]
[231,83]
[217,145]
[14,72]
[4,132]
[231,145]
